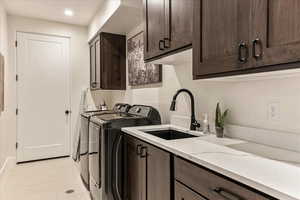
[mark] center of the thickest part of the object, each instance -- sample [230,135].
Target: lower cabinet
[133,170]
[147,171]
[154,174]
[210,185]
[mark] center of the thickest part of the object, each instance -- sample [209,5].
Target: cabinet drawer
[211,185]
[184,193]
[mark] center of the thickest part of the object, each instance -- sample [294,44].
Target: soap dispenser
[206,125]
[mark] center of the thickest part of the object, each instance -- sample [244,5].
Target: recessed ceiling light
[69,12]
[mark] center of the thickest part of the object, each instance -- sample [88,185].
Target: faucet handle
[196,124]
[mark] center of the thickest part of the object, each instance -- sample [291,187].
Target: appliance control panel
[122,107]
[140,110]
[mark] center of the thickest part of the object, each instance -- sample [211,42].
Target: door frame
[69,82]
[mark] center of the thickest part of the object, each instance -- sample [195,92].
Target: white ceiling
[53,10]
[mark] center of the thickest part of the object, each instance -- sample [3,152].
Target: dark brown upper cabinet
[147,171]
[168,27]
[276,32]
[221,36]
[108,62]
[245,36]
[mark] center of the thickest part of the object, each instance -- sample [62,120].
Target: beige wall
[247,98]
[79,60]
[3,50]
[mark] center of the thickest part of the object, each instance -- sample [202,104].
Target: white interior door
[43,127]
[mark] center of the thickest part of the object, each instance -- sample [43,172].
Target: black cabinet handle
[257,42]
[161,45]
[243,47]
[138,150]
[144,152]
[226,195]
[167,43]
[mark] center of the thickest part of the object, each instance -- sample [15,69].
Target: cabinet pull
[167,42]
[161,45]
[144,152]
[226,195]
[243,46]
[94,84]
[138,149]
[257,42]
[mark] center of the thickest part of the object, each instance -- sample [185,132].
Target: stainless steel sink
[171,134]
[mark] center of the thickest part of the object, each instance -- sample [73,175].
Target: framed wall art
[140,73]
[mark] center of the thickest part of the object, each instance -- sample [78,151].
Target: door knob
[67,112]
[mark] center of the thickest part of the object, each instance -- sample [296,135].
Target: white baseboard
[8,164]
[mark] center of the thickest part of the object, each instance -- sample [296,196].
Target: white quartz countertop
[278,179]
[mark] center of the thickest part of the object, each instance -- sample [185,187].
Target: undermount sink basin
[171,134]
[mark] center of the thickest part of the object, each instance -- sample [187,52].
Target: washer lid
[93,113]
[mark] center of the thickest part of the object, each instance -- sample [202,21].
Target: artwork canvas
[140,73]
[1,82]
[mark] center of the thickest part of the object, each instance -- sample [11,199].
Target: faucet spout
[194,123]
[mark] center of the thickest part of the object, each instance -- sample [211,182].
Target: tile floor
[44,180]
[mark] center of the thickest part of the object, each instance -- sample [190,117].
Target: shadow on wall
[160,95]
[248,101]
[98,97]
[206,93]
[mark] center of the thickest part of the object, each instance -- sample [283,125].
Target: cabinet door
[158,174]
[211,185]
[133,171]
[113,61]
[221,36]
[154,30]
[97,63]
[92,66]
[178,24]
[276,31]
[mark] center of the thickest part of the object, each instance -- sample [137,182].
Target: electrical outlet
[274,111]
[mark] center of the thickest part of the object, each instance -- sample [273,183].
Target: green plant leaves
[220,118]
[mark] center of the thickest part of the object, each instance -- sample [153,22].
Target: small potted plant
[220,121]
